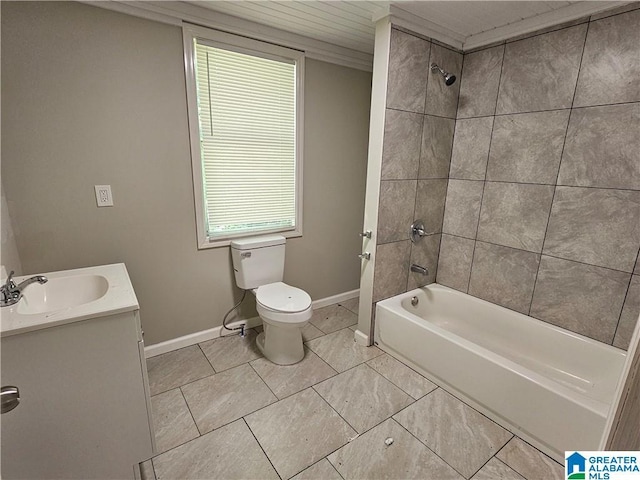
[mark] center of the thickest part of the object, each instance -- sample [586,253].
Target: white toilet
[258,263]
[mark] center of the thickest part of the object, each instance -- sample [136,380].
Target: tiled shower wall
[418,137]
[543,200]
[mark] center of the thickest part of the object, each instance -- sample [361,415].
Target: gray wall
[543,204]
[419,127]
[91,96]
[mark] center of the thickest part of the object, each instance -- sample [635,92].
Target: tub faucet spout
[10,293]
[419,269]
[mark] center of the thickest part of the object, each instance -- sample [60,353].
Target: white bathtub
[552,387]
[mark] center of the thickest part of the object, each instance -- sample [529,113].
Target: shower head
[449,79]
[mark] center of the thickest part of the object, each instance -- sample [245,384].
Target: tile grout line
[265,383]
[529,112]
[394,383]
[593,187]
[207,358]
[624,301]
[494,455]
[538,253]
[493,122]
[555,189]
[261,448]
[424,444]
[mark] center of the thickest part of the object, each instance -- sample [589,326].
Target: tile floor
[222,411]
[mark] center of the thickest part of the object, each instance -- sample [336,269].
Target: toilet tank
[258,260]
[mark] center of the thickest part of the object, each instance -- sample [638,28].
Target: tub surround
[418,139]
[547,199]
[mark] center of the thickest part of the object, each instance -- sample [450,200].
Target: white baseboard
[194,338]
[341,297]
[210,334]
[361,339]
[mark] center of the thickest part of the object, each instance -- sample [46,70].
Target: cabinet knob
[10,398]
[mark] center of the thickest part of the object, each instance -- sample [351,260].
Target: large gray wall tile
[540,73]
[401,149]
[437,141]
[443,100]
[462,208]
[504,276]
[603,147]
[479,83]
[610,71]
[581,298]
[527,147]
[425,254]
[454,263]
[515,214]
[391,270]
[471,148]
[594,226]
[430,204]
[408,71]
[629,316]
[397,202]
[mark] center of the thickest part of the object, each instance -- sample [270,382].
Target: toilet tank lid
[257,242]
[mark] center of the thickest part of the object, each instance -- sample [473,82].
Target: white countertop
[119,298]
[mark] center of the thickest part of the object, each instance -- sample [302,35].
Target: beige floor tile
[323,470]
[177,368]
[340,351]
[402,376]
[228,453]
[146,471]
[285,380]
[333,318]
[172,420]
[309,332]
[224,397]
[351,304]
[228,352]
[353,328]
[298,431]
[461,436]
[369,457]
[530,462]
[363,397]
[494,469]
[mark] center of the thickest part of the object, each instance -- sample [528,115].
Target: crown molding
[400,17]
[175,13]
[539,22]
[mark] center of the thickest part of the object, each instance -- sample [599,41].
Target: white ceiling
[462,24]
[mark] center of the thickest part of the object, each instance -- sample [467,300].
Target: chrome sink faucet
[10,293]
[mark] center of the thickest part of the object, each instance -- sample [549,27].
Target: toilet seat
[283,298]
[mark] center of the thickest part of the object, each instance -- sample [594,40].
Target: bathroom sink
[70,296]
[61,293]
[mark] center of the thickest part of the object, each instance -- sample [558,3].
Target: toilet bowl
[284,311]
[258,265]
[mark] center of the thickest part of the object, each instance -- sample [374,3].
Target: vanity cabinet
[84,408]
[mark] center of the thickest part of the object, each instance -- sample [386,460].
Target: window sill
[206,243]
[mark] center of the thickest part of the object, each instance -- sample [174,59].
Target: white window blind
[247,122]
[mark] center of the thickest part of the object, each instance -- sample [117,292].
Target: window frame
[249,46]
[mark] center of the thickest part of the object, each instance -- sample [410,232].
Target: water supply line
[224,320]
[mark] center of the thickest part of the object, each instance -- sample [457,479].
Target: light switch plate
[103,196]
